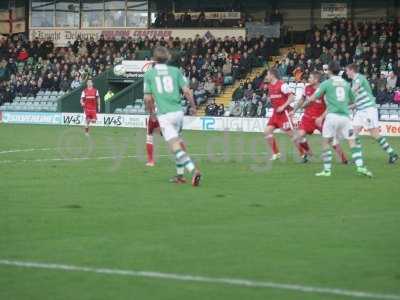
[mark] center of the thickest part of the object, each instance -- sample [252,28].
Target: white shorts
[366,118]
[337,126]
[171,124]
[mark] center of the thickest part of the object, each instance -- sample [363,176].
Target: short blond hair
[161,55]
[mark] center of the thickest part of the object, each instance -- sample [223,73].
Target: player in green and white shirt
[162,89]
[366,115]
[337,123]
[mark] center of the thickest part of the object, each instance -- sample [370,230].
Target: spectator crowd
[374,46]
[26,67]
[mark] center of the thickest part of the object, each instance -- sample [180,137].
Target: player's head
[351,70]
[272,75]
[161,55]
[314,78]
[89,83]
[334,68]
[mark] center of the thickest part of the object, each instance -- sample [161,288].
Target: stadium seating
[43,102]
[138,108]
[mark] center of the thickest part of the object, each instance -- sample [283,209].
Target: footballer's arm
[286,104]
[149,103]
[98,101]
[321,118]
[300,104]
[285,89]
[189,96]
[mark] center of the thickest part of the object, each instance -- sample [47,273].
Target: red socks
[272,143]
[340,153]
[150,148]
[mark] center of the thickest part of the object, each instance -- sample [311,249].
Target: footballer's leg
[302,142]
[149,143]
[87,123]
[349,133]
[356,153]
[307,126]
[184,162]
[339,151]
[381,140]
[171,125]
[329,131]
[271,141]
[326,158]
[150,150]
[291,134]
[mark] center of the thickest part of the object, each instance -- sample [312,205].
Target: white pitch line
[26,150]
[202,279]
[116,157]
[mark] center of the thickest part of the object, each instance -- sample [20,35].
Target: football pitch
[85,219]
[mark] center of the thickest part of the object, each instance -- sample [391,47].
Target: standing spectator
[76,82]
[276,17]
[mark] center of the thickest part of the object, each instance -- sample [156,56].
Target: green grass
[249,219]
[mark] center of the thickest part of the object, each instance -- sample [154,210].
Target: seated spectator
[383,96]
[261,110]
[221,110]
[396,96]
[219,82]
[248,93]
[23,55]
[244,64]
[238,94]
[193,83]
[209,86]
[3,70]
[253,107]
[227,68]
[211,108]
[391,81]
[64,84]
[298,74]
[200,94]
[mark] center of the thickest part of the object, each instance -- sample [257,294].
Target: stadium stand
[374,46]
[34,74]
[210,64]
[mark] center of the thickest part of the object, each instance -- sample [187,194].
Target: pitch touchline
[202,279]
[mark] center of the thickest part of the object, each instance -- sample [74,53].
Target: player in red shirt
[90,102]
[152,126]
[280,97]
[313,117]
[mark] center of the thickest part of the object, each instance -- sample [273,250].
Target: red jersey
[278,93]
[89,97]
[314,109]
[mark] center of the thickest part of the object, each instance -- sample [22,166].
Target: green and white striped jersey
[363,93]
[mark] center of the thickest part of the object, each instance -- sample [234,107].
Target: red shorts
[279,120]
[152,124]
[91,115]
[308,125]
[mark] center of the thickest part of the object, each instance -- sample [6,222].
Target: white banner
[333,10]
[136,66]
[31,118]
[139,121]
[61,37]
[232,15]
